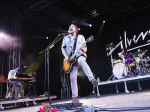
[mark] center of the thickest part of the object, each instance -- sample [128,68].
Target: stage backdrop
[129,27]
[134,31]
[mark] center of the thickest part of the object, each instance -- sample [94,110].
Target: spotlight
[90,25]
[79,29]
[46,37]
[103,21]
[1,34]
[93,12]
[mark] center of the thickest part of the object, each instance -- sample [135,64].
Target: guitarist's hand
[83,49]
[66,59]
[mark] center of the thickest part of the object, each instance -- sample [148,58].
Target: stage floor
[131,102]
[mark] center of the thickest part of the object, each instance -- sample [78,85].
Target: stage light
[90,25]
[93,12]
[1,34]
[46,37]
[103,21]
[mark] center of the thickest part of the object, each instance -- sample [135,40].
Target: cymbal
[140,52]
[109,46]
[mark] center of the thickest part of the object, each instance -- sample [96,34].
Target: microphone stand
[51,45]
[93,92]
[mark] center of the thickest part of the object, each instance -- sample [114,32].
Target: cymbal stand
[137,60]
[145,64]
[112,64]
[140,67]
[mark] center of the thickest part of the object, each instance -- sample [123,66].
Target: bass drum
[120,70]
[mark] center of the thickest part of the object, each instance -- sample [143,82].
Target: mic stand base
[93,94]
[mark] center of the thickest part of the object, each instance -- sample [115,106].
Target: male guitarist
[70,43]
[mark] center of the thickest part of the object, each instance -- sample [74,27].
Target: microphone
[69,32]
[65,33]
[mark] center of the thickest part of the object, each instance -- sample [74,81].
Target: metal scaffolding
[15,50]
[1,64]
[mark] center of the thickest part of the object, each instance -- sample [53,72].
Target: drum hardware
[121,68]
[148,58]
[132,70]
[110,47]
[142,64]
[125,67]
[131,64]
[140,51]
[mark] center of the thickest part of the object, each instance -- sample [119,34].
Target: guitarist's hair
[77,28]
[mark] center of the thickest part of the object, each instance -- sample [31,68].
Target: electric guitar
[67,65]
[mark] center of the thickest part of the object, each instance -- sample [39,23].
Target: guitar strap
[75,42]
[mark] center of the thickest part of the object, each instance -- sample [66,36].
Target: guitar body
[67,65]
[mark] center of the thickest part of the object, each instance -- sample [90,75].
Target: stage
[125,81]
[134,101]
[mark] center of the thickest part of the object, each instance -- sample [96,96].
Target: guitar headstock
[90,38]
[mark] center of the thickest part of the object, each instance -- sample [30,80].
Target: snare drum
[120,70]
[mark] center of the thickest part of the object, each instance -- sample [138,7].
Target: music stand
[46,50]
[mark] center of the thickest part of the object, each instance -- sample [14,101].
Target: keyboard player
[13,83]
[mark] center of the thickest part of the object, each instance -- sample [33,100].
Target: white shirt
[68,43]
[11,74]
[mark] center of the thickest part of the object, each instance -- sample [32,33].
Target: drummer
[121,55]
[124,51]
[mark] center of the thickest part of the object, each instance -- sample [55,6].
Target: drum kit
[130,64]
